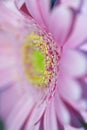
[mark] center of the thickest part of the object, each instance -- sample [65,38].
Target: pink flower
[43,65]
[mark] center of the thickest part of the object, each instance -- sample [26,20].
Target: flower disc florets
[40,58]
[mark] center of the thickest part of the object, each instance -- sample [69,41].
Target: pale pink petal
[8,99]
[69,88]
[84,115]
[9,26]
[11,6]
[37,127]
[34,10]
[73,63]
[81,107]
[79,33]
[85,79]
[44,6]
[7,62]
[68,127]
[34,127]
[60,23]
[84,8]
[6,49]
[80,104]
[36,114]
[8,76]
[83,47]
[61,111]
[20,113]
[72,3]
[50,119]
[19,3]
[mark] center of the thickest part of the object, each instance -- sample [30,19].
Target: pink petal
[36,114]
[84,7]
[79,34]
[69,89]
[83,47]
[34,127]
[85,79]
[81,107]
[50,119]
[20,112]
[71,3]
[61,111]
[19,3]
[7,62]
[44,6]
[8,76]
[60,23]
[8,99]
[84,115]
[6,49]
[68,127]
[11,6]
[73,63]
[34,10]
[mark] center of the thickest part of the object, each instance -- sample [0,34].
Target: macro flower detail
[43,65]
[40,59]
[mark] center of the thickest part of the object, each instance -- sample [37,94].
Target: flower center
[39,60]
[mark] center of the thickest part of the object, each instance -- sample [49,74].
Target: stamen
[39,58]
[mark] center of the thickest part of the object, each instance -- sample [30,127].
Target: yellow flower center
[38,64]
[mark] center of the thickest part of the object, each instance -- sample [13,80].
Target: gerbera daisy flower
[43,65]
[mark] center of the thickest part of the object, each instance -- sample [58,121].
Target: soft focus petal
[8,66]
[7,76]
[6,18]
[10,5]
[73,63]
[8,99]
[20,113]
[83,47]
[84,8]
[61,111]
[44,6]
[36,115]
[72,128]
[75,4]
[19,3]
[81,107]
[84,115]
[59,23]
[50,120]
[34,10]
[5,59]
[79,33]
[68,88]
[35,127]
